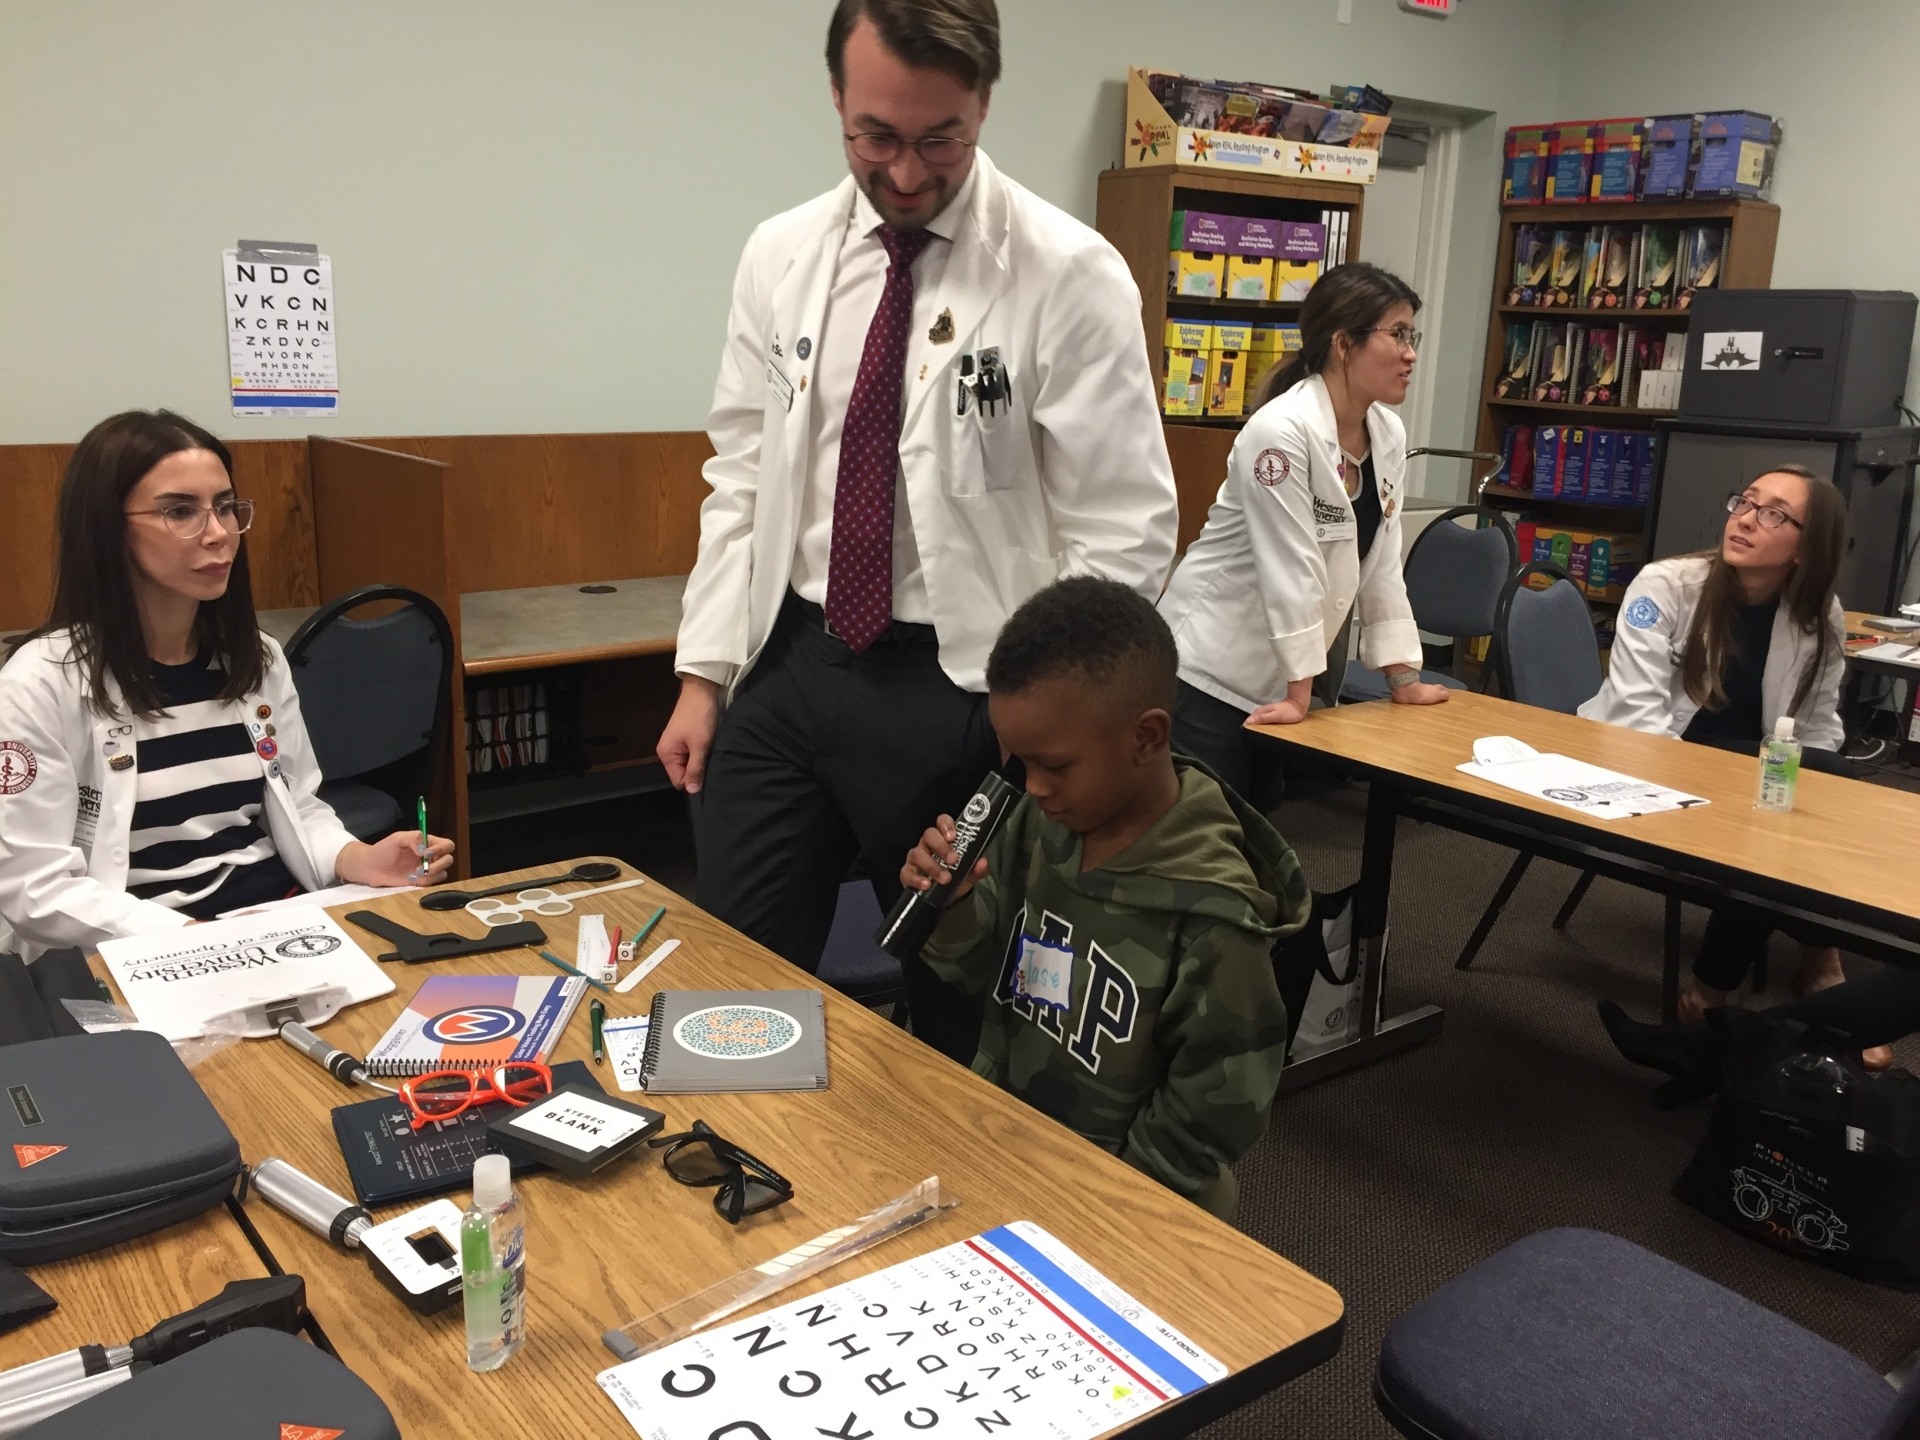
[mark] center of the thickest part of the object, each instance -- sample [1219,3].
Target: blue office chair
[375,696]
[1545,653]
[1583,1336]
[853,964]
[1454,579]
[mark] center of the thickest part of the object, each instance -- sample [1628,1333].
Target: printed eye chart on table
[1007,1334]
[280,344]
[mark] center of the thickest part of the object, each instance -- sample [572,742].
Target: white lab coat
[1644,690]
[1070,477]
[63,864]
[1265,587]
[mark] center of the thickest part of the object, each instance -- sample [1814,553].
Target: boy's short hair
[1109,636]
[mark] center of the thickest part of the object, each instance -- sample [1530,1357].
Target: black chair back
[1454,575]
[374,693]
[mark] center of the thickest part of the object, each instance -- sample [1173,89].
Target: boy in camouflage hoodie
[1123,919]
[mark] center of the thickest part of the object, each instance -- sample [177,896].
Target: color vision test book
[711,1042]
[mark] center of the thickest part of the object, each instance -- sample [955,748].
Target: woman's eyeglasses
[747,1185]
[1405,336]
[1770,517]
[443,1094]
[188,521]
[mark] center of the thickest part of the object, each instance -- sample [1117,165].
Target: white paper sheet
[1592,791]
[1896,651]
[625,1037]
[183,981]
[332,895]
[1007,1333]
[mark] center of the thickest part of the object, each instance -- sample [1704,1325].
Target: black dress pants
[1737,933]
[1215,733]
[825,758]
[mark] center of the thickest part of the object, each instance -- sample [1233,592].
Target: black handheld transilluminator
[917,912]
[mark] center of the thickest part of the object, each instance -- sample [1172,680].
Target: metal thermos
[917,912]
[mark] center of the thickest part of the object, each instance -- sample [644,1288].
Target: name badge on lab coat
[781,386]
[1333,522]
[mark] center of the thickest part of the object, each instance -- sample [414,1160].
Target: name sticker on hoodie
[1045,975]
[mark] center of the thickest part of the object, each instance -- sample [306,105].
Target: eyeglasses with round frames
[1405,336]
[188,521]
[1770,517]
[878,147]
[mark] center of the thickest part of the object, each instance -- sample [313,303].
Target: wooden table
[110,1296]
[609,1249]
[1839,859]
[506,630]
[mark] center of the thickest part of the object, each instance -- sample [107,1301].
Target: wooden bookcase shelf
[1752,228]
[1134,211]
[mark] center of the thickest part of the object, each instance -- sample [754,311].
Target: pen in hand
[426,848]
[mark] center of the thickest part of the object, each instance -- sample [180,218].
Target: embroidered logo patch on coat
[1270,467]
[17,767]
[1643,614]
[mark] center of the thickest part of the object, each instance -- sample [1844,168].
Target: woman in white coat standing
[153,766]
[1305,529]
[1715,648]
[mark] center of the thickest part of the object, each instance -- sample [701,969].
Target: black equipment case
[250,1383]
[102,1138]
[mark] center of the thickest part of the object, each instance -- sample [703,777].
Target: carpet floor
[1388,1181]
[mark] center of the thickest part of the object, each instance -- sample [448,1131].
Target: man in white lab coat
[934,400]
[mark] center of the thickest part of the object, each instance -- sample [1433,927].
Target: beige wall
[533,210]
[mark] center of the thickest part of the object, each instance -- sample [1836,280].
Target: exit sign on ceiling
[1440,9]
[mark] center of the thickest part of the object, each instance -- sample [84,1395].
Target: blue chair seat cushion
[1583,1336]
[1364,683]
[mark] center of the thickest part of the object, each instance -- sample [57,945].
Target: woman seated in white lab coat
[1305,530]
[153,767]
[1715,648]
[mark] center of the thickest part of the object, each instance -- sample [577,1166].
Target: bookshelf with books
[1585,341]
[1136,212]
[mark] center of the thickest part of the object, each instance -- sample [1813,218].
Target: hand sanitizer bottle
[493,1266]
[1779,767]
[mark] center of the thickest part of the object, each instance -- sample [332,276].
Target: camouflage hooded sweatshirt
[1170,1050]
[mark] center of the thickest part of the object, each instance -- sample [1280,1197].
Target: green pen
[559,964]
[647,929]
[597,1014]
[425,849]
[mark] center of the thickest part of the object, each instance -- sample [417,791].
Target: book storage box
[1227,364]
[1188,345]
[1232,126]
[1672,141]
[1736,154]
[1529,148]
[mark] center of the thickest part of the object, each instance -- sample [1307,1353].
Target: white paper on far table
[332,895]
[1589,789]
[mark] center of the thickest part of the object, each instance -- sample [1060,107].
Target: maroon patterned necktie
[860,555]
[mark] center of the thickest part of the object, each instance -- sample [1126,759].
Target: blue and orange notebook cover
[463,1022]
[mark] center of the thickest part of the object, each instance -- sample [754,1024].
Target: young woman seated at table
[153,767]
[1715,648]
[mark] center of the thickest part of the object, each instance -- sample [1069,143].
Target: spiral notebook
[709,1042]
[464,1022]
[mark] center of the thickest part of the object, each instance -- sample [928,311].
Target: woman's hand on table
[1289,711]
[395,860]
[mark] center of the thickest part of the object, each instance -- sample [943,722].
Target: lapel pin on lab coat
[120,762]
[942,331]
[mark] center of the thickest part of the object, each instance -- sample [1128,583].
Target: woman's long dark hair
[1347,300]
[1808,598]
[93,595]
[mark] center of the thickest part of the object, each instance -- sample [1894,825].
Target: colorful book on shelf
[1590,266]
[1516,363]
[1557,382]
[1659,261]
[1706,249]
[1600,374]
[1532,252]
[1563,268]
[1614,287]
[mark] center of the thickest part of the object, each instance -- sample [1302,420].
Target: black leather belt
[898,632]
